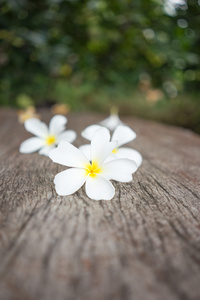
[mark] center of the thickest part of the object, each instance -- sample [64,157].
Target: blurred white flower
[113,120]
[96,173]
[122,134]
[27,113]
[46,138]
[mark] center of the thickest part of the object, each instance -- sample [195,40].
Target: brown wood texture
[143,244]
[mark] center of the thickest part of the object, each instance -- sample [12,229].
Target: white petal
[123,134]
[119,169]
[98,188]
[45,150]
[86,150]
[130,154]
[111,122]
[31,145]
[101,148]
[69,181]
[36,127]
[89,131]
[111,157]
[68,155]
[68,135]
[57,124]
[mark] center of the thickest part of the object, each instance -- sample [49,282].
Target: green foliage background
[96,53]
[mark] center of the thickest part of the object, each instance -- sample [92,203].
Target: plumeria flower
[95,173]
[122,134]
[60,109]
[46,138]
[28,113]
[113,120]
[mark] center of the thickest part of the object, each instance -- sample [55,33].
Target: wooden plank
[144,244]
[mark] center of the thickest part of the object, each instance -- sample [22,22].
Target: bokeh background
[142,56]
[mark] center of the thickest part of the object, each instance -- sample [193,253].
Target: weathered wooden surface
[144,244]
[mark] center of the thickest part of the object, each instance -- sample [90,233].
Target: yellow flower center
[50,140]
[92,169]
[114,151]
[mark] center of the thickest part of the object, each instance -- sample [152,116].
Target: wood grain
[144,244]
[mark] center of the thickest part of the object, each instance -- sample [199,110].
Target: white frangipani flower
[46,138]
[122,134]
[95,173]
[113,120]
